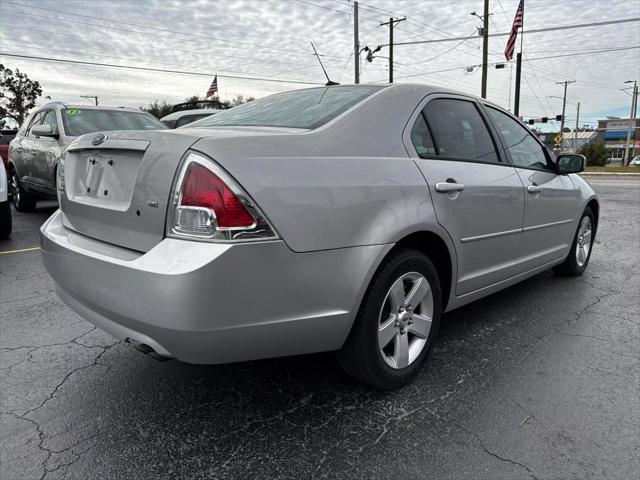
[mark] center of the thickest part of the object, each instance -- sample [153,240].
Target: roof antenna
[329,82]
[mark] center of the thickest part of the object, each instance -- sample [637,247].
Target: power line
[527,60]
[153,34]
[161,70]
[473,34]
[537,30]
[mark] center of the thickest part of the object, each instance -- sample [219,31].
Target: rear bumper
[211,303]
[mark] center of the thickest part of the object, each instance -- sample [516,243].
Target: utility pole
[564,104]
[356,44]
[632,121]
[575,136]
[392,21]
[485,47]
[95,98]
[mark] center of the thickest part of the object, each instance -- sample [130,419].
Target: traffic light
[558,118]
[531,121]
[544,119]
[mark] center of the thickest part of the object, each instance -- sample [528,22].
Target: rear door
[478,197]
[551,200]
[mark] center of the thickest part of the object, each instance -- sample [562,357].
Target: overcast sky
[270,39]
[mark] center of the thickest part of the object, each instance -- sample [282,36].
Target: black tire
[570,267]
[23,201]
[360,356]
[5,219]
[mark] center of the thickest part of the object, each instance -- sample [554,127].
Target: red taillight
[202,188]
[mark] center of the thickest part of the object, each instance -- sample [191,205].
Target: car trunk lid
[117,188]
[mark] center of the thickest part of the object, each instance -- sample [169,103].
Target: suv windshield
[308,108]
[78,121]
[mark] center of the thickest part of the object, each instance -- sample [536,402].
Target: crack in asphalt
[493,454]
[52,394]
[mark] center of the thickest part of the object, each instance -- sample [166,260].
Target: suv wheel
[396,324]
[23,201]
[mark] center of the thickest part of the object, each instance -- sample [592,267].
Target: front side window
[78,121]
[36,120]
[308,109]
[459,132]
[524,149]
[50,119]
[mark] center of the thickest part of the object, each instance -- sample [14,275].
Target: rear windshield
[308,108]
[78,121]
[6,138]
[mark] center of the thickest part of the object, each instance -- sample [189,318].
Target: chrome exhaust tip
[147,350]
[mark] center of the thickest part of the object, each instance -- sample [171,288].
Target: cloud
[271,39]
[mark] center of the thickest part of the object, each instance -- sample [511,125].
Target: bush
[596,154]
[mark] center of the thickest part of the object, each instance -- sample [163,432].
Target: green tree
[158,109]
[18,95]
[596,154]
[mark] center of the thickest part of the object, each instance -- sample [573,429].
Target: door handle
[444,187]
[534,189]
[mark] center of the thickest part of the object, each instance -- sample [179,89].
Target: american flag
[213,88]
[517,24]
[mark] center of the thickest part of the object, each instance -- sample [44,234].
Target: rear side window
[458,130]
[421,138]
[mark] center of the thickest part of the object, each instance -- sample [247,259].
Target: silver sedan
[343,218]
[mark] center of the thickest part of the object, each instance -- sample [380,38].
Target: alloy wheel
[583,242]
[405,318]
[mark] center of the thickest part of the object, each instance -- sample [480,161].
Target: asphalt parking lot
[541,380]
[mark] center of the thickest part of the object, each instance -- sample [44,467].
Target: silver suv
[36,149]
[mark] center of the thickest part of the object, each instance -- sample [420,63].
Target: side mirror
[43,130]
[571,163]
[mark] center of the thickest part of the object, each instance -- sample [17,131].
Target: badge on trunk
[98,139]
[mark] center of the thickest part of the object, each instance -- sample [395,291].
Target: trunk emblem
[98,139]
[152,204]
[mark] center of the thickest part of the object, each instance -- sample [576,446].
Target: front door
[478,197]
[550,199]
[46,151]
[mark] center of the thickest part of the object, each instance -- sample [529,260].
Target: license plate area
[102,178]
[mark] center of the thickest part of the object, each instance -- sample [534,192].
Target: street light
[560,98]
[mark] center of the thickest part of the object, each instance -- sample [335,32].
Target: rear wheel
[396,324]
[23,201]
[578,259]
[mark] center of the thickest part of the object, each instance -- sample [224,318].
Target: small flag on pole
[213,88]
[517,24]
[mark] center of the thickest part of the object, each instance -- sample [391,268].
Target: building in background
[612,133]
[572,141]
